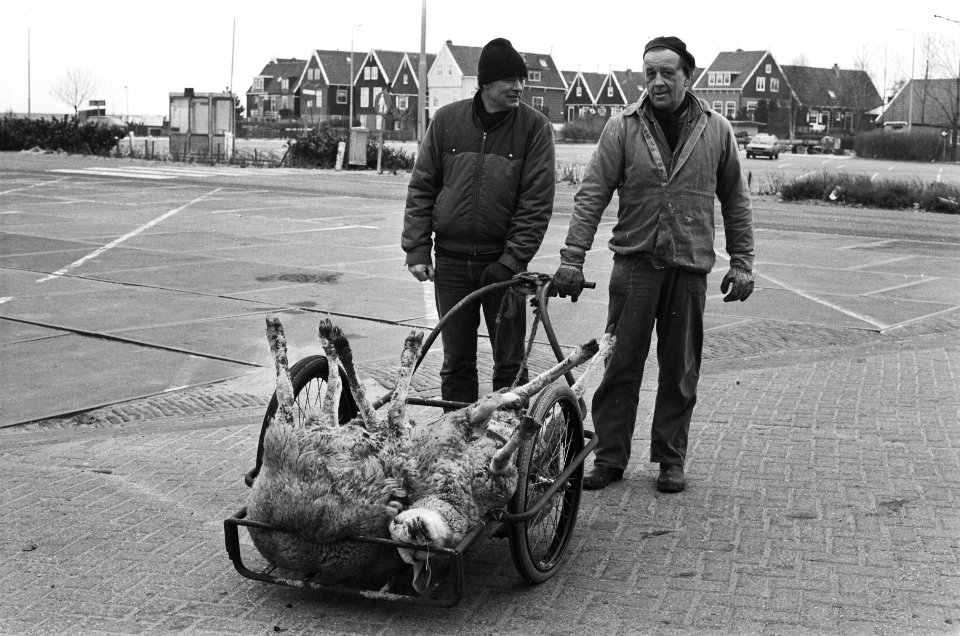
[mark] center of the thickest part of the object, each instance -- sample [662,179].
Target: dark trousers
[454,280]
[642,296]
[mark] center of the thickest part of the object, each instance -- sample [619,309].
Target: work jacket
[484,195]
[666,200]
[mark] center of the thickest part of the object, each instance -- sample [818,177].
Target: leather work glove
[495,273]
[568,281]
[740,282]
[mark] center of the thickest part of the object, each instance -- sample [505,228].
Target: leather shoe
[671,478]
[600,477]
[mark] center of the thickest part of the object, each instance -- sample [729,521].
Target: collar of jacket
[478,104]
[694,105]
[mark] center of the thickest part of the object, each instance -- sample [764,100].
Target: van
[895,126]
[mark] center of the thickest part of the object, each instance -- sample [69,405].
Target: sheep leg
[500,461]
[367,413]
[483,408]
[397,412]
[329,407]
[284,391]
[598,361]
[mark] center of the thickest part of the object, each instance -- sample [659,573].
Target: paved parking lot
[824,463]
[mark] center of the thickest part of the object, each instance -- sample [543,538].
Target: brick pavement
[824,497]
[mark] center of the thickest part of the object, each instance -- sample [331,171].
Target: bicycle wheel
[309,379]
[538,544]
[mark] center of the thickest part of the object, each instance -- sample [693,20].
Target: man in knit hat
[668,156]
[478,204]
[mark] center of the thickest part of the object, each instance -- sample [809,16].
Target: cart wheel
[538,544]
[309,379]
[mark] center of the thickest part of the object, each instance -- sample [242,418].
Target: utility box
[358,146]
[202,125]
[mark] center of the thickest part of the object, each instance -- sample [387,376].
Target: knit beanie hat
[673,43]
[499,60]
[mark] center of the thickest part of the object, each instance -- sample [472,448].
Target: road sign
[384,102]
[98,102]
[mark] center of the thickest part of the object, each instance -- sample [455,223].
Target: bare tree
[944,63]
[75,87]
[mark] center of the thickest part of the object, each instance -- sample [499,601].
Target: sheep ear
[421,576]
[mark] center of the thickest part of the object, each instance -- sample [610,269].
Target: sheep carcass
[322,483]
[465,468]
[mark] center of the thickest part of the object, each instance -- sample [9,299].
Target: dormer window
[718,78]
[258,83]
[533,76]
[543,63]
[284,85]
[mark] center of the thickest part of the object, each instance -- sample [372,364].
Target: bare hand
[422,272]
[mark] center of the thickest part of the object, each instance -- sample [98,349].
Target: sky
[139,52]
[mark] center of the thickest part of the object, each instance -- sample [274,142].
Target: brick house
[831,100]
[273,94]
[324,85]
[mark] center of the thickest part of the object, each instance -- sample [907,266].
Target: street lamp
[350,122]
[957,96]
[910,97]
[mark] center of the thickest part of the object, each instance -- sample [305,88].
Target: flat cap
[673,43]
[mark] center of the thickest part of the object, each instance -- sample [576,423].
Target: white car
[764,145]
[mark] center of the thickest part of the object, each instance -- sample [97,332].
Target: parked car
[764,145]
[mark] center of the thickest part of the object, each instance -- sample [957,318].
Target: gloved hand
[568,281]
[741,282]
[495,273]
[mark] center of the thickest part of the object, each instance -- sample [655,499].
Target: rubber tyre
[538,545]
[309,379]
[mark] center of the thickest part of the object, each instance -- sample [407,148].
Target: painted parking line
[137,172]
[146,226]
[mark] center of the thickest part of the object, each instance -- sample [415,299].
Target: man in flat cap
[481,196]
[667,156]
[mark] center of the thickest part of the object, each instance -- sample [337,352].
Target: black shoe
[600,477]
[671,478]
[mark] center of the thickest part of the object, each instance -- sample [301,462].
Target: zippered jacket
[666,200]
[481,194]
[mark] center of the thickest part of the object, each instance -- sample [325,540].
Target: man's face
[503,94]
[666,83]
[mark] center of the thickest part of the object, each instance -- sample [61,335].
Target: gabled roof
[832,87]
[335,65]
[591,81]
[467,59]
[278,69]
[739,63]
[630,84]
[389,62]
[934,101]
[413,61]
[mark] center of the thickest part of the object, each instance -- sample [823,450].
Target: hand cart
[539,519]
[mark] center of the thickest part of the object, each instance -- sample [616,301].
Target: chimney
[449,42]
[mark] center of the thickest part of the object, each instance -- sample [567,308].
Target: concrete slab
[53,376]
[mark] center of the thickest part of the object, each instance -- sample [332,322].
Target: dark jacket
[665,199]
[481,194]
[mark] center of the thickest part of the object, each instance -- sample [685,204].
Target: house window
[813,116]
[615,110]
[717,106]
[537,102]
[609,91]
[767,69]
[285,85]
[341,96]
[374,73]
[751,109]
[719,79]
[533,76]
[601,110]
[579,91]
[366,72]
[711,79]
[309,104]
[365,98]
[258,83]
[761,84]
[731,110]
[402,101]
[774,84]
[405,78]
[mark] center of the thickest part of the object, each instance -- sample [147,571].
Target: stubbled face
[502,94]
[665,81]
